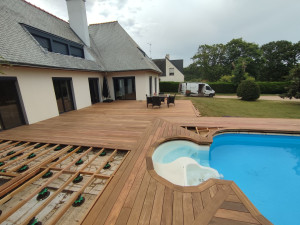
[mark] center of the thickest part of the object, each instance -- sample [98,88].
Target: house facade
[172,70]
[50,66]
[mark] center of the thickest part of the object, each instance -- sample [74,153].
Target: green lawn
[218,107]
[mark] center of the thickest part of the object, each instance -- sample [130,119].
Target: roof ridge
[44,11]
[115,21]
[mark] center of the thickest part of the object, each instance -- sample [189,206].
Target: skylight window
[53,43]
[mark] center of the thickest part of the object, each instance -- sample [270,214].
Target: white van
[196,89]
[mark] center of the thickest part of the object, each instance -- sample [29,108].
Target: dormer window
[53,43]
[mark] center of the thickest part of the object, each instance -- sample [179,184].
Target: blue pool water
[266,168]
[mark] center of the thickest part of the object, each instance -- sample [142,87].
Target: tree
[249,52]
[239,71]
[192,72]
[294,87]
[280,58]
[211,61]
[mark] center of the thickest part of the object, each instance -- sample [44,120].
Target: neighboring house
[172,70]
[56,66]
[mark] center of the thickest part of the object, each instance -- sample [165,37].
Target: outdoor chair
[149,100]
[156,101]
[171,100]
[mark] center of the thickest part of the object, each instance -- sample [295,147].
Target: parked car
[196,89]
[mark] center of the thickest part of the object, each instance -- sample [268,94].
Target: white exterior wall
[141,83]
[37,91]
[178,76]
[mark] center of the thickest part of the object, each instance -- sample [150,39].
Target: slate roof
[118,52]
[161,63]
[17,46]
[178,63]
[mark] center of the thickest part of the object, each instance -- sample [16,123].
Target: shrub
[168,86]
[223,87]
[248,90]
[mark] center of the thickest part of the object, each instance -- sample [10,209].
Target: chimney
[78,20]
[167,56]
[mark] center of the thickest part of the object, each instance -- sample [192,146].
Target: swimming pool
[266,168]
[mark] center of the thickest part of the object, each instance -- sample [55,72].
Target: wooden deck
[135,194]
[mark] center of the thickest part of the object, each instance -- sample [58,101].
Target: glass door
[124,88]
[10,109]
[63,93]
[94,90]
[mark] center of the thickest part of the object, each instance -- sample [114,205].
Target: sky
[179,27]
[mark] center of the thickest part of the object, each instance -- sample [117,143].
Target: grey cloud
[178,27]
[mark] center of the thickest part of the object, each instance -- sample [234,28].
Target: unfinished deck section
[134,194]
[58,176]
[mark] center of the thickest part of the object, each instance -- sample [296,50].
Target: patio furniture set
[157,100]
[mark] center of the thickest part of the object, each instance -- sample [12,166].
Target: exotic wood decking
[135,194]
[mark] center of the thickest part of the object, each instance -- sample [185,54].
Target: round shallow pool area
[266,168]
[183,163]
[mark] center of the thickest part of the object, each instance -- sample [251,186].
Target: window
[44,42]
[208,88]
[59,47]
[53,43]
[171,71]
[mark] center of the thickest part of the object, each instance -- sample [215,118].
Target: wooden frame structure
[62,161]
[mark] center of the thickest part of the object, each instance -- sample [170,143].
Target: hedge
[168,86]
[265,87]
[224,87]
[272,87]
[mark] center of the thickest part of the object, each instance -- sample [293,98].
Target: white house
[50,66]
[172,70]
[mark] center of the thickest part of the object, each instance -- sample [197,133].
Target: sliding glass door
[124,88]
[94,90]
[64,94]
[10,108]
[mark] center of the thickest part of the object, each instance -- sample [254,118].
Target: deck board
[134,195]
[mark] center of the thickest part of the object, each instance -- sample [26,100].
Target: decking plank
[167,210]
[157,205]
[206,198]
[235,206]
[138,204]
[221,221]
[148,204]
[197,203]
[177,209]
[235,215]
[188,212]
